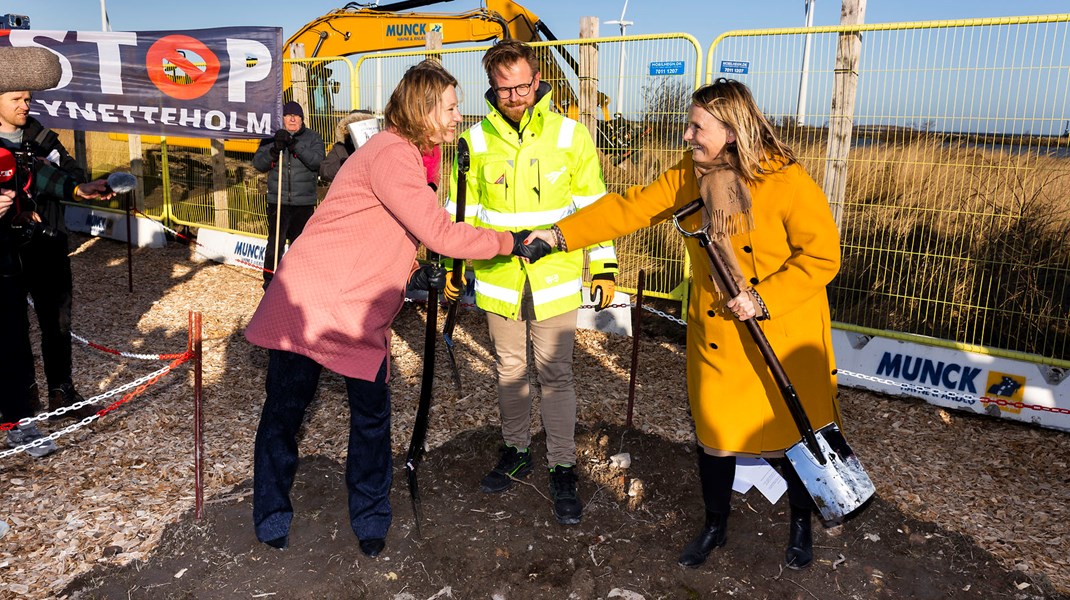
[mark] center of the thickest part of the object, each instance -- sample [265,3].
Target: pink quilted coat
[342,283]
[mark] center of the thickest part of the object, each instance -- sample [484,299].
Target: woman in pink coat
[337,292]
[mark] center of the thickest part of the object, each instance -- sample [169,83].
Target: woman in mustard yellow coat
[779,228]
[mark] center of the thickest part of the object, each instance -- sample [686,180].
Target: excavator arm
[357,29]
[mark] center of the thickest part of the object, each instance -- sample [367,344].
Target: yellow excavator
[359,28]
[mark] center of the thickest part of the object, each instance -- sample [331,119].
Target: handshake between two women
[530,250]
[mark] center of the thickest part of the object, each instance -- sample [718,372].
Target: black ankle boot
[800,540]
[713,535]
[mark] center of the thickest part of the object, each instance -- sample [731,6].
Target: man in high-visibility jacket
[529,168]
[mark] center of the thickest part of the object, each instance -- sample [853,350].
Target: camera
[17,226]
[10,21]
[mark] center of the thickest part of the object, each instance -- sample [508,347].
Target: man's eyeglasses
[521,90]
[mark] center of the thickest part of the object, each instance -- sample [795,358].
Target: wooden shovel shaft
[728,284]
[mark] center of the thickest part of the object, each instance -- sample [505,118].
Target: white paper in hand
[361,131]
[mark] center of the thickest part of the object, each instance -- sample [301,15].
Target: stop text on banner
[219,83]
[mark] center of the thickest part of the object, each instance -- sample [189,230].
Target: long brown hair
[414,98]
[757,146]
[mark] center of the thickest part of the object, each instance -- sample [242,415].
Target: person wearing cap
[293,154]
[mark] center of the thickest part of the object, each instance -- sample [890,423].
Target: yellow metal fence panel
[638,121]
[956,221]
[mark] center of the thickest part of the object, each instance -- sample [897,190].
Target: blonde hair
[757,147]
[415,97]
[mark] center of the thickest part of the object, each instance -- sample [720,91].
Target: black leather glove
[292,142]
[603,287]
[533,251]
[428,277]
[282,140]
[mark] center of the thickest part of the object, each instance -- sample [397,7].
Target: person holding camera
[22,180]
[292,160]
[46,264]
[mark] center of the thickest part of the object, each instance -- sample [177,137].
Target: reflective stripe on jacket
[530,179]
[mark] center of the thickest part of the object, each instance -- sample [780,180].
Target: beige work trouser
[552,341]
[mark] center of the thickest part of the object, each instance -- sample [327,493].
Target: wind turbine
[800,113]
[620,71]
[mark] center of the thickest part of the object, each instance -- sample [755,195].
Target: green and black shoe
[514,463]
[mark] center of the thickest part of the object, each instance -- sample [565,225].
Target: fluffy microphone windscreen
[121,182]
[7,165]
[28,69]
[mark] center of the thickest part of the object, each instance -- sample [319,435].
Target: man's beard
[514,113]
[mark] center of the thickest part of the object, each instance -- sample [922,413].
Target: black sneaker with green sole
[513,463]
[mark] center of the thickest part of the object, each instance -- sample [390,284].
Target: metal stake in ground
[457,274]
[828,467]
[423,410]
[637,314]
[278,213]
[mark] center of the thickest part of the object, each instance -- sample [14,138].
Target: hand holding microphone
[105,189]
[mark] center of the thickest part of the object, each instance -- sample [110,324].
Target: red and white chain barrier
[138,385]
[958,396]
[107,350]
[196,244]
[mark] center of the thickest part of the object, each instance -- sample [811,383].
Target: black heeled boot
[800,552]
[713,535]
[716,474]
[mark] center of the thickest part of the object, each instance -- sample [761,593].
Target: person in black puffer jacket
[297,152]
[45,261]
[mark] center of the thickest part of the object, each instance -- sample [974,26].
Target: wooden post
[219,185]
[80,154]
[588,75]
[137,169]
[433,41]
[841,119]
[299,79]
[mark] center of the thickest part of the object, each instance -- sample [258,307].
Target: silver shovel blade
[838,487]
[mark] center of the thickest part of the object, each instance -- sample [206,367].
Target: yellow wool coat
[789,257]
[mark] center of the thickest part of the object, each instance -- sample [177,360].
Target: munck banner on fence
[219,83]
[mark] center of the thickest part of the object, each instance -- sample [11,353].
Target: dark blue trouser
[292,380]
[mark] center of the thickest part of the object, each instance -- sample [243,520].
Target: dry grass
[940,238]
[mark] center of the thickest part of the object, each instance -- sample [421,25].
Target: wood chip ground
[106,497]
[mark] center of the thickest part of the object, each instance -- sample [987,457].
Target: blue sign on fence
[739,67]
[670,67]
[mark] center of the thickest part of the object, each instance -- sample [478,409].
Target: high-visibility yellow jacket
[530,179]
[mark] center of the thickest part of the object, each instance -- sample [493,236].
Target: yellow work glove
[603,287]
[453,292]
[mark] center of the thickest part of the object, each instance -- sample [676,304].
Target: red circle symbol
[167,54]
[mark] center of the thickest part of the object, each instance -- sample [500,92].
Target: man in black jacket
[46,264]
[295,152]
[22,228]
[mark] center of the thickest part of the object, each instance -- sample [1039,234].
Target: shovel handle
[457,274]
[728,284]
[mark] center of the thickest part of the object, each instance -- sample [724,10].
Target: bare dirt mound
[476,545]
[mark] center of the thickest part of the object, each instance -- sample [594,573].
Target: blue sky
[704,19]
